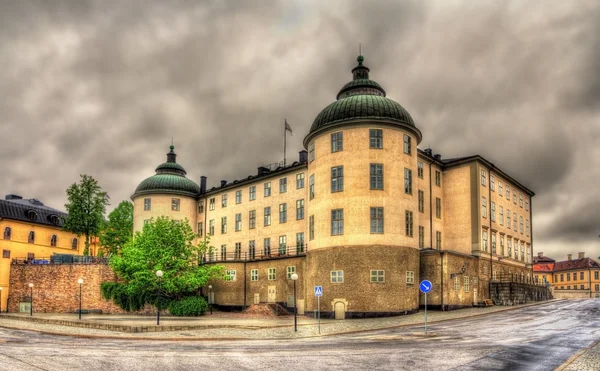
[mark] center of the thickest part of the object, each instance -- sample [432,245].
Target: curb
[574,357]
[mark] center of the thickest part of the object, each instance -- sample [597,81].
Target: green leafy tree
[86,209]
[165,245]
[118,230]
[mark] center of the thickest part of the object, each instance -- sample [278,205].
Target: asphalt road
[532,338]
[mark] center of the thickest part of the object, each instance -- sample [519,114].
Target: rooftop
[14,207]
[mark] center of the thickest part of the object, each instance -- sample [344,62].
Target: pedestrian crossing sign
[318,290]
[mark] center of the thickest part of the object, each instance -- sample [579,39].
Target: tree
[165,245]
[118,230]
[86,209]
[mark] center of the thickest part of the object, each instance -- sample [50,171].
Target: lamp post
[159,274]
[295,278]
[31,296]
[80,282]
[210,298]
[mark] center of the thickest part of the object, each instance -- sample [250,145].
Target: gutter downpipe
[491,246]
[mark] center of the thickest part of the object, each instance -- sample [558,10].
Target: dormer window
[54,219]
[74,244]
[7,233]
[53,240]
[31,237]
[32,215]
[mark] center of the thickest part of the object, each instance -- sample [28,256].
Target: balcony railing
[256,254]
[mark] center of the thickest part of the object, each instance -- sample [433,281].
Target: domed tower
[167,193]
[363,202]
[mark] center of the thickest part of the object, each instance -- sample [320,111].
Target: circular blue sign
[425,286]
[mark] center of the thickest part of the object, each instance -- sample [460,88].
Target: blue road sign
[318,290]
[425,286]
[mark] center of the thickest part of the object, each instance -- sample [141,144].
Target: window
[377,276]
[300,181]
[568,276]
[420,169]
[252,249]
[515,221]
[282,185]
[522,252]
[254,275]
[597,287]
[267,247]
[223,252]
[300,209]
[438,178]
[520,199]
[337,276]
[421,201]
[493,242]
[311,227]
[252,193]
[526,205]
[238,222]
[267,189]
[483,177]
[175,204]
[501,245]
[408,181]
[290,270]
[438,207]
[271,274]
[223,224]
[466,283]
[53,240]
[514,197]
[282,213]
[375,138]
[337,179]
[508,218]
[501,215]
[211,203]
[267,216]
[562,277]
[238,197]
[337,142]
[200,229]
[224,200]
[580,275]
[200,206]
[31,237]
[516,248]
[500,189]
[408,223]
[376,176]
[581,287]
[596,275]
[311,151]
[377,220]
[410,277]
[492,183]
[456,284]
[421,237]
[407,145]
[7,233]
[311,187]
[521,224]
[282,245]
[337,222]
[6,254]
[485,269]
[230,275]
[493,211]
[438,240]
[299,242]
[508,193]
[252,219]
[30,256]
[484,207]
[484,238]
[147,204]
[211,227]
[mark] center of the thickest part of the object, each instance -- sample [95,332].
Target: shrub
[188,306]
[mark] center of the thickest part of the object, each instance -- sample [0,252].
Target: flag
[288,127]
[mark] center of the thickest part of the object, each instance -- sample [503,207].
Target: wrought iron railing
[217,255]
[62,259]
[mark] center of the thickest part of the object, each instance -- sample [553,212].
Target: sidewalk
[222,326]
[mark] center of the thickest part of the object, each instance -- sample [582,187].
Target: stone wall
[573,294]
[513,293]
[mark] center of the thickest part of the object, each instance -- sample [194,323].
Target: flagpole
[284,142]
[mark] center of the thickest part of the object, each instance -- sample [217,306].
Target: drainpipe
[245,285]
[590,280]
[490,235]
[430,208]
[442,279]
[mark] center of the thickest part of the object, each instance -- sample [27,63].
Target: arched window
[31,238]
[7,233]
[74,244]
[485,269]
[53,240]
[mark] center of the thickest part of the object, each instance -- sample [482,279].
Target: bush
[189,306]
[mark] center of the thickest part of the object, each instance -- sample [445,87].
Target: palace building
[363,213]
[571,278]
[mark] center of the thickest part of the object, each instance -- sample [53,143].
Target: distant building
[571,278]
[362,213]
[31,232]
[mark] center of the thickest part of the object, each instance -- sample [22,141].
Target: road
[532,338]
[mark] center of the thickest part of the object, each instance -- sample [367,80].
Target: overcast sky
[100,87]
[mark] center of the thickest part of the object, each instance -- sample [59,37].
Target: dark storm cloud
[101,87]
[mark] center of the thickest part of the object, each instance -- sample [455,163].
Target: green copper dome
[169,178]
[362,99]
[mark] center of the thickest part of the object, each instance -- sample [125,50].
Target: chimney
[13,197]
[262,170]
[223,182]
[437,156]
[581,255]
[303,156]
[540,254]
[202,184]
[428,151]
[569,257]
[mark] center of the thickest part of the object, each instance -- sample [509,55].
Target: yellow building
[362,213]
[31,233]
[576,278]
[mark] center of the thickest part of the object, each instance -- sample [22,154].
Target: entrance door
[256,298]
[272,291]
[474,296]
[340,310]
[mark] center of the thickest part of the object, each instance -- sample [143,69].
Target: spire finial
[172,147]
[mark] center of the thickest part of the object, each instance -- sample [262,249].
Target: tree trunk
[86,250]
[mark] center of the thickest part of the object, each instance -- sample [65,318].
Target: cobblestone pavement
[588,360]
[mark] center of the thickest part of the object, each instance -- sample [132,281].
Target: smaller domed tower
[167,193]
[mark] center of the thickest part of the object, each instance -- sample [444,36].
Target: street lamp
[31,301]
[80,282]
[295,278]
[159,274]
[210,298]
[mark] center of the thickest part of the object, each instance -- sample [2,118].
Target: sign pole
[425,286]
[425,314]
